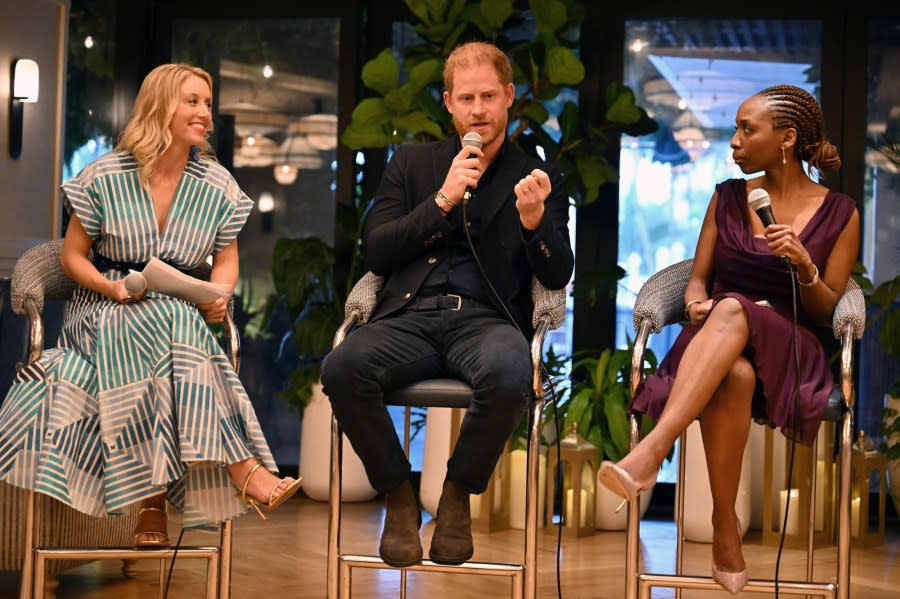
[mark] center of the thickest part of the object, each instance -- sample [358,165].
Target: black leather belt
[438,302]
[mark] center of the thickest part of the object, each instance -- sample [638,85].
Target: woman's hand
[697,312]
[784,243]
[214,311]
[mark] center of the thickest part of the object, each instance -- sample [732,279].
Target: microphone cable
[548,381]
[794,424]
[172,564]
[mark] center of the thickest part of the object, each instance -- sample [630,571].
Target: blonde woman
[138,402]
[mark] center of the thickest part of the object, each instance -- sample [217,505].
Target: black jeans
[474,344]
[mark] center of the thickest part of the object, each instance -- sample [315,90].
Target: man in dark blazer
[456,301]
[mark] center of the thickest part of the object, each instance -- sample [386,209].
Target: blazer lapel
[501,187]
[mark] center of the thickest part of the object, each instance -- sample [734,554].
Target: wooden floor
[284,558]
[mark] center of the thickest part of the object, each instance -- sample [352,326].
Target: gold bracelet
[687,308]
[813,282]
[443,197]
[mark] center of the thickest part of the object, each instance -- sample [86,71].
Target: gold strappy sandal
[163,541]
[270,503]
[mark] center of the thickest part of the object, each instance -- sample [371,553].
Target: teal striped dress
[137,399]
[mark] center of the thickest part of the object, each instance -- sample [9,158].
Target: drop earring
[783,156]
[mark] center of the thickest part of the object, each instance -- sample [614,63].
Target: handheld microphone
[472,139]
[761,204]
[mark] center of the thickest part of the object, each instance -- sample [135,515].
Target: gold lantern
[863,463]
[578,461]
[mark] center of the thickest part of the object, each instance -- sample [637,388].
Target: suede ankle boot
[400,545]
[452,540]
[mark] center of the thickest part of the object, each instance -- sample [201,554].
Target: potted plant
[308,288]
[597,407]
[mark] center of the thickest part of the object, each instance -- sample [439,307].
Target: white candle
[793,523]
[854,516]
[582,509]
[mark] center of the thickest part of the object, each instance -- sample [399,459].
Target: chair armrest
[363,297]
[661,298]
[38,277]
[850,312]
[549,304]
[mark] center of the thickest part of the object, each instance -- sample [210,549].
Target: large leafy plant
[545,121]
[600,397]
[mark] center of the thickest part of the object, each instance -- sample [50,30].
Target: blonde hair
[473,54]
[147,133]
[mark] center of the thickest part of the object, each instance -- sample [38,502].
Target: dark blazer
[405,225]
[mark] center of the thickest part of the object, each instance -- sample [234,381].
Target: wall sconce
[25,78]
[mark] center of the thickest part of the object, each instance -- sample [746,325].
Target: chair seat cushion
[432,393]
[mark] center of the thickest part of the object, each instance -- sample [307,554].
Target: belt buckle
[458,301]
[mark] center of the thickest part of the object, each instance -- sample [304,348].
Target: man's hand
[531,191]
[465,171]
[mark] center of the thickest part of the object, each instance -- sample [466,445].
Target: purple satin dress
[746,270]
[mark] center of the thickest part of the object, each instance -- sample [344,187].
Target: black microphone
[472,139]
[761,204]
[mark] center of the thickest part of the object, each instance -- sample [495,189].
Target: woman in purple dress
[729,363]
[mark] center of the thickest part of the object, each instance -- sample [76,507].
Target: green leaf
[621,109]
[569,121]
[417,122]
[535,112]
[357,137]
[496,12]
[382,73]
[426,72]
[399,100]
[420,9]
[593,173]
[371,111]
[549,15]
[563,67]
[617,418]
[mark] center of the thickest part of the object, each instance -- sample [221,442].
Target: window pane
[881,225]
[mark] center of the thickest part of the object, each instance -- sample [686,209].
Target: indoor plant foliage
[546,71]
[599,398]
[303,271]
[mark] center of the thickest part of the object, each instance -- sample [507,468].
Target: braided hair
[792,106]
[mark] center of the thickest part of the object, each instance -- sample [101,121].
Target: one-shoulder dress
[745,269]
[137,399]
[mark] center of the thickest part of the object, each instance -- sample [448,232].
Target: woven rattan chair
[43,530]
[660,303]
[549,313]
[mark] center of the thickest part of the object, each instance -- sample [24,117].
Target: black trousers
[474,344]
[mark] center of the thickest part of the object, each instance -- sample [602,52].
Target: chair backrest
[38,276]
[661,301]
[550,303]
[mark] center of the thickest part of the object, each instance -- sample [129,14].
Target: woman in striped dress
[138,402]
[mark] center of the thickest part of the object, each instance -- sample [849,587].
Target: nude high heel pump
[620,482]
[732,582]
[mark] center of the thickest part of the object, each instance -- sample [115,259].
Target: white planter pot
[315,456]
[438,437]
[697,496]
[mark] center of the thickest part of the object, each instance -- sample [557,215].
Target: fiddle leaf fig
[382,73]
[549,15]
[496,12]
[564,68]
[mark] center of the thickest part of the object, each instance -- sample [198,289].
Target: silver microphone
[472,139]
[761,204]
